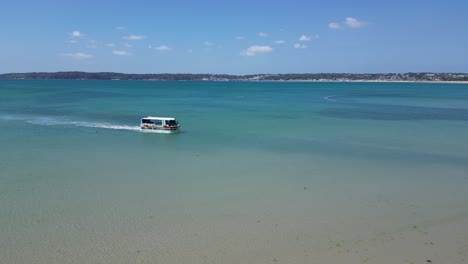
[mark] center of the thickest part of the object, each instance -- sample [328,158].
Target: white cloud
[121,53]
[262,34]
[240,37]
[350,22]
[300,46]
[120,28]
[253,50]
[110,45]
[134,37]
[305,38]
[334,25]
[280,41]
[128,45]
[354,22]
[72,41]
[207,43]
[78,55]
[76,34]
[161,48]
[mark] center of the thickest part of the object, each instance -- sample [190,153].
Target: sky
[234,37]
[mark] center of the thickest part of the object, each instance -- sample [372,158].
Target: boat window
[145,121]
[171,122]
[158,122]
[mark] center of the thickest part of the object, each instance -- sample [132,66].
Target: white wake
[55,122]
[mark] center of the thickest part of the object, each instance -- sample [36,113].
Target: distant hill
[76,75]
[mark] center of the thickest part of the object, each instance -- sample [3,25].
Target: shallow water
[261,172]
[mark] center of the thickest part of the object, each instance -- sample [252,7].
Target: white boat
[160,124]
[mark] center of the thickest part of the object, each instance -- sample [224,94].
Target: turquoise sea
[262,172]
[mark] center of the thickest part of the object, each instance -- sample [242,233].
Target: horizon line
[232,74]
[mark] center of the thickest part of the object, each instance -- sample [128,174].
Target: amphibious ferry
[160,124]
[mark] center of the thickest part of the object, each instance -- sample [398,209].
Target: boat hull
[158,129]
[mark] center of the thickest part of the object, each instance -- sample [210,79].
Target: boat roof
[158,118]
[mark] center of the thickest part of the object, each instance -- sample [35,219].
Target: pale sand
[439,241]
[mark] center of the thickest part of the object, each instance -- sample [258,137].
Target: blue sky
[236,37]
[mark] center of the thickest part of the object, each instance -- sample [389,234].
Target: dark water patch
[76,96]
[224,106]
[279,116]
[351,106]
[387,112]
[356,98]
[382,96]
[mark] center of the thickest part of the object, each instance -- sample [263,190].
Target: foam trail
[54,122]
[330,98]
[108,126]
[11,117]
[339,99]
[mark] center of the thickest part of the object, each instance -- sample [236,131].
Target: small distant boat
[160,124]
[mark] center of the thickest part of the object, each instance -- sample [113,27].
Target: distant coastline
[290,77]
